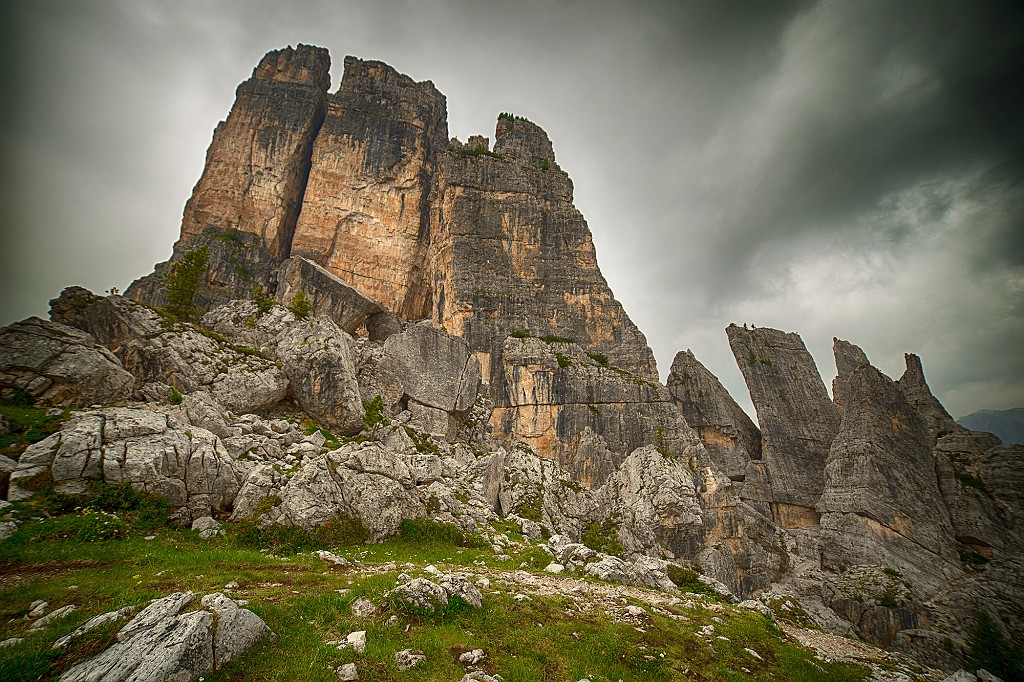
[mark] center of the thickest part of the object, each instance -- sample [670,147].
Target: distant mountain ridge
[1007,424]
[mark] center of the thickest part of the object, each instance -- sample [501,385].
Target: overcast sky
[851,169]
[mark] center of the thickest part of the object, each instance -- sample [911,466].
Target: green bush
[300,306]
[427,530]
[374,416]
[603,536]
[175,397]
[687,580]
[183,284]
[339,531]
[599,358]
[990,649]
[85,525]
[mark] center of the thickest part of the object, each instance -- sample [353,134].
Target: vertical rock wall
[798,420]
[364,215]
[510,252]
[258,162]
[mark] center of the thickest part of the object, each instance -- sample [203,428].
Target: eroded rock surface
[54,364]
[798,420]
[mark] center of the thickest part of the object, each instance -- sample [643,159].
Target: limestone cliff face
[364,214]
[510,252]
[581,413]
[916,391]
[881,502]
[731,438]
[257,164]
[798,420]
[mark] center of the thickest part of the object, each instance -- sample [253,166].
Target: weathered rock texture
[364,214]
[731,438]
[54,364]
[798,420]
[509,252]
[258,163]
[166,642]
[582,413]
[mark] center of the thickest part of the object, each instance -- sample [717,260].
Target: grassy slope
[306,602]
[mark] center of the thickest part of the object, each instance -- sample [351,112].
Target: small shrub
[520,334]
[564,361]
[374,417]
[427,530]
[551,338]
[688,580]
[989,648]
[603,536]
[599,358]
[544,165]
[422,442]
[175,397]
[300,306]
[183,284]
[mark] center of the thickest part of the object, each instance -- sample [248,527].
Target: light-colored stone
[408,658]
[347,671]
[363,608]
[92,624]
[56,614]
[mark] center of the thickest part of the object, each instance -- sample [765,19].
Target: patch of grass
[603,536]
[551,338]
[210,334]
[564,361]
[532,508]
[28,425]
[520,334]
[599,358]
[424,445]
[339,531]
[374,417]
[430,531]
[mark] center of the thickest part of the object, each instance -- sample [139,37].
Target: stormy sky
[850,169]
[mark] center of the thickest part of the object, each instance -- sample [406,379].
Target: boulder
[328,295]
[58,365]
[164,643]
[319,361]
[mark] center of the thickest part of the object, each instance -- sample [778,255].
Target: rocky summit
[368,332]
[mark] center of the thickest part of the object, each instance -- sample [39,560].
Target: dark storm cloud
[833,168]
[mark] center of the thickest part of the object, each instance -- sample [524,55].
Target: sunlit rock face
[258,162]
[364,214]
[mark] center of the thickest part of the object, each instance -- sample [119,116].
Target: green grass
[28,425]
[306,602]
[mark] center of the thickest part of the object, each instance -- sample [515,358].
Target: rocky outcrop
[319,361]
[258,161]
[732,440]
[915,390]
[166,642]
[326,293]
[881,503]
[580,410]
[509,252]
[164,354]
[54,364]
[187,466]
[798,420]
[364,213]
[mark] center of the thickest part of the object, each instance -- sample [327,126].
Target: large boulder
[439,373]
[327,294]
[166,642]
[319,361]
[58,365]
[187,465]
